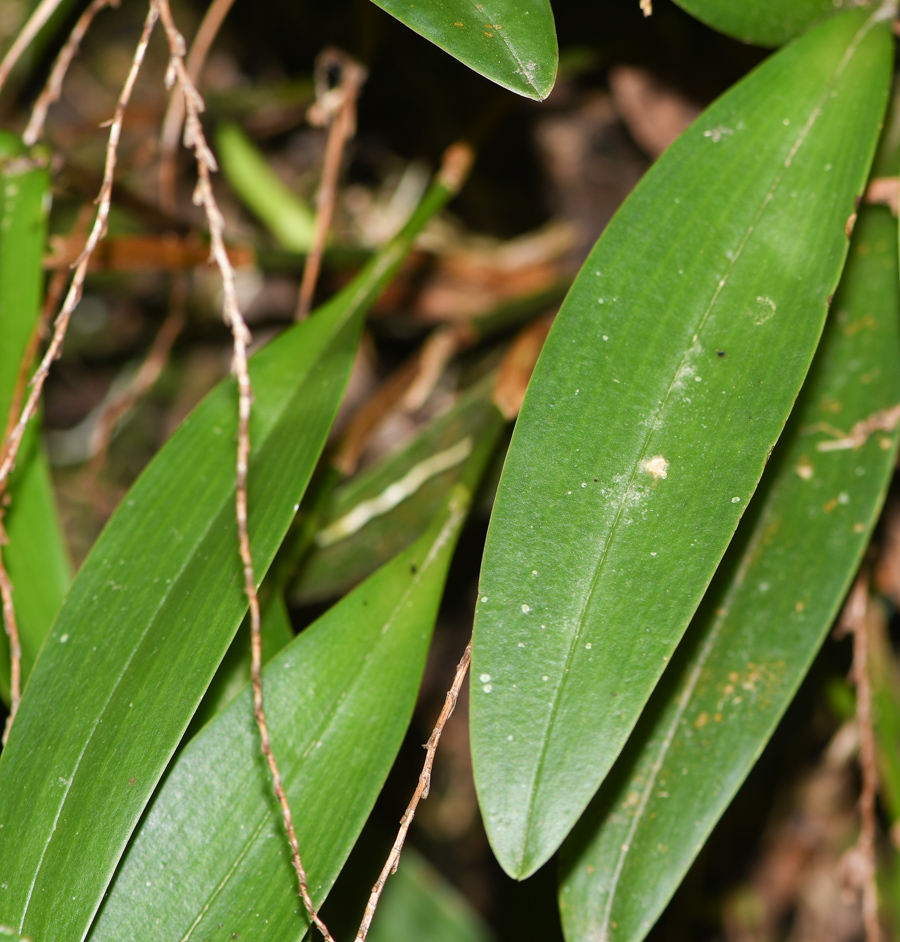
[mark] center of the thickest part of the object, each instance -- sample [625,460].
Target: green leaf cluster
[698,466]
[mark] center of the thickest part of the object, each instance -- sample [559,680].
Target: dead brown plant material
[174,120]
[517,366]
[36,22]
[420,793]
[143,382]
[98,231]
[654,113]
[437,351]
[13,439]
[372,414]
[885,420]
[859,863]
[884,191]
[335,107]
[195,139]
[53,87]
[134,253]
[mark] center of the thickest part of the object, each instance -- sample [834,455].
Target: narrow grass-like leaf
[210,861]
[382,510]
[289,219]
[152,612]
[662,388]
[766,22]
[763,620]
[510,42]
[419,905]
[35,557]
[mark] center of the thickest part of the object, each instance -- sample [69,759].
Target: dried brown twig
[337,107]
[36,22]
[141,384]
[859,863]
[420,793]
[174,120]
[195,139]
[13,439]
[53,86]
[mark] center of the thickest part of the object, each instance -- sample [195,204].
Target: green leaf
[662,388]
[760,626]
[211,857]
[766,22]
[419,905]
[35,557]
[234,670]
[382,510]
[510,42]
[290,220]
[153,610]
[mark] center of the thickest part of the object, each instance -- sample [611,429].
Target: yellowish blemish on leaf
[799,607]
[701,720]
[657,467]
[804,468]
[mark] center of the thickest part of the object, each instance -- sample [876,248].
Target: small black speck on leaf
[720,353]
[413,568]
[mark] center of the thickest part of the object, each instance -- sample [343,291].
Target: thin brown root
[98,231]
[859,864]
[12,630]
[174,120]
[36,22]
[420,793]
[336,106]
[53,87]
[142,383]
[203,196]
[52,299]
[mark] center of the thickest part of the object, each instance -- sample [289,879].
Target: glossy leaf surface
[762,623]
[662,388]
[510,42]
[765,22]
[211,858]
[35,557]
[152,612]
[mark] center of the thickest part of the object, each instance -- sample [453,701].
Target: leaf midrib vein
[733,261]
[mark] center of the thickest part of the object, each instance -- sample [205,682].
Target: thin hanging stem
[195,139]
[420,793]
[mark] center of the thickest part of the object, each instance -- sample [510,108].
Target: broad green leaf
[510,42]
[152,612]
[290,220]
[664,384]
[382,510]
[35,558]
[419,905]
[233,673]
[766,22]
[211,857]
[766,614]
